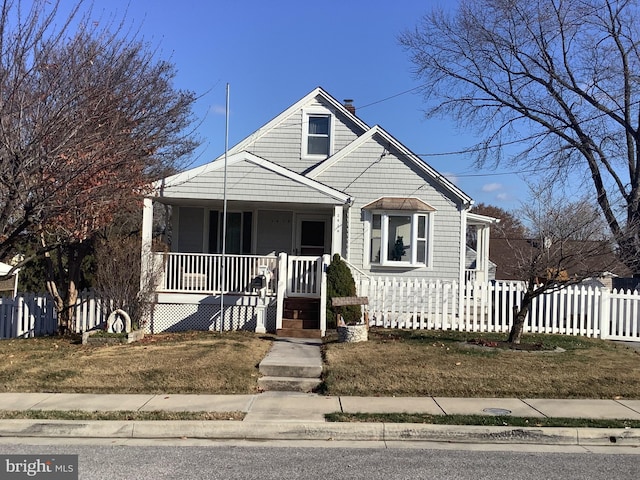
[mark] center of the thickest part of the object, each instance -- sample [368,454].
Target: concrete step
[300,371]
[288,384]
[299,333]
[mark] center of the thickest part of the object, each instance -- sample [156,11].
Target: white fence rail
[32,315]
[490,307]
[200,273]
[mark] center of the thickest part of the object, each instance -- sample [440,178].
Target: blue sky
[272,53]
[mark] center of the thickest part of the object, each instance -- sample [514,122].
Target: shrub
[340,283]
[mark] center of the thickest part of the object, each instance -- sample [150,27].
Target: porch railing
[200,272]
[304,276]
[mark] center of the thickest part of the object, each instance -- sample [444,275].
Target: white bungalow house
[312,182]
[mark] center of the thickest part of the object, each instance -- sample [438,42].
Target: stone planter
[353,333]
[90,338]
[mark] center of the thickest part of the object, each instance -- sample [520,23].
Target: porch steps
[292,365]
[301,318]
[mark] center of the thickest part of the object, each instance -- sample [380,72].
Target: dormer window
[317,130]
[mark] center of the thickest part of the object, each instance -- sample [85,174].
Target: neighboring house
[593,260]
[313,182]
[8,284]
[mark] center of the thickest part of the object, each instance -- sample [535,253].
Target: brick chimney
[348,104]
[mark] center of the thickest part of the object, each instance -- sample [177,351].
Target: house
[313,182]
[592,260]
[8,283]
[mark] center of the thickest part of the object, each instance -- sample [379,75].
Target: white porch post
[482,253]
[336,230]
[146,260]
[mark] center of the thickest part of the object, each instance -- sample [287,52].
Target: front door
[312,236]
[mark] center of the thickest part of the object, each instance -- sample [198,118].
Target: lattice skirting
[179,317]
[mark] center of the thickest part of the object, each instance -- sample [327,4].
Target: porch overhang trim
[476,219]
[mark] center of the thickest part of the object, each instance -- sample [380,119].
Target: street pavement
[301,416]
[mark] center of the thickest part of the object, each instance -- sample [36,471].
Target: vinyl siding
[369,173]
[247,181]
[283,144]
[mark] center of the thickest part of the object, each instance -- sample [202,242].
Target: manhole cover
[499,412]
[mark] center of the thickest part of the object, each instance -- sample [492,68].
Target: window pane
[234,227]
[375,238]
[422,252]
[422,226]
[399,238]
[312,233]
[318,146]
[247,223]
[319,125]
[213,232]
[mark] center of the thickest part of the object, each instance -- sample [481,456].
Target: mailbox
[259,282]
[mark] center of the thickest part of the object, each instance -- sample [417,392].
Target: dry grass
[117,415]
[426,363]
[190,362]
[401,363]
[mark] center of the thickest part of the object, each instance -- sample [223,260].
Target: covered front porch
[240,292]
[233,250]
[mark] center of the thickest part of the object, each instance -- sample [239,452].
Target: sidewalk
[299,416]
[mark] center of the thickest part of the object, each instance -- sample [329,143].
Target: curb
[238,430]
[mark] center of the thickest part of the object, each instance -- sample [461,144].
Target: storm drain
[498,412]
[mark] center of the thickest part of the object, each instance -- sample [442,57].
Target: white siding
[371,172]
[275,231]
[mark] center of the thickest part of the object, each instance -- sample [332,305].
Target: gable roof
[408,154]
[247,173]
[318,92]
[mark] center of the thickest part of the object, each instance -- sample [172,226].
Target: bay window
[399,238]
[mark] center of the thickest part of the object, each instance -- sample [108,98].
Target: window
[318,136]
[238,232]
[399,238]
[317,131]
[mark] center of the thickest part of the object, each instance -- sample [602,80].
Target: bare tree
[558,77]
[88,117]
[510,226]
[563,248]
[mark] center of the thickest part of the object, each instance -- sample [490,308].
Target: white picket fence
[414,304]
[490,307]
[32,315]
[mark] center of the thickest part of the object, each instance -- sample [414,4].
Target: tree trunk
[515,335]
[62,283]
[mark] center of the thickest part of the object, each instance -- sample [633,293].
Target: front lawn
[189,362]
[435,363]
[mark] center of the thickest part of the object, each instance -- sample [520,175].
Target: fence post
[604,316]
[16,323]
[281,288]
